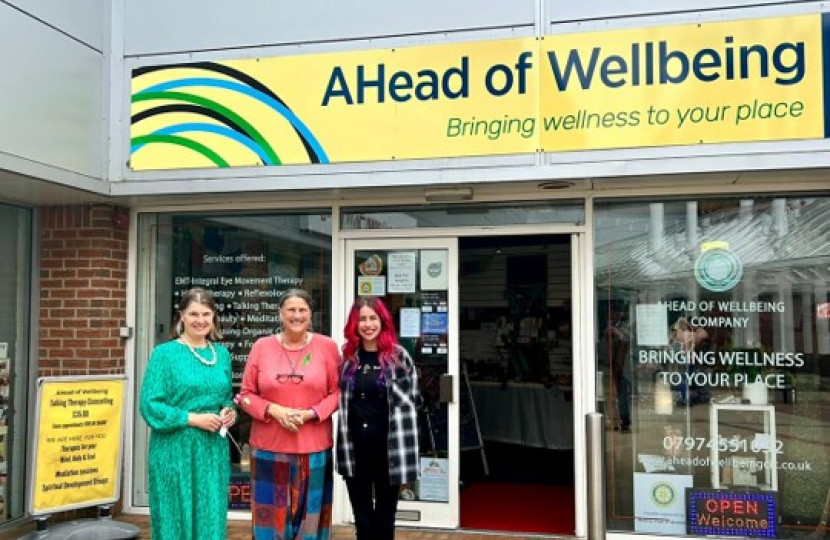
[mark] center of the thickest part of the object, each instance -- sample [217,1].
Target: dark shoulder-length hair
[302,294]
[204,298]
[387,339]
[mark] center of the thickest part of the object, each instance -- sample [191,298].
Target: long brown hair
[202,297]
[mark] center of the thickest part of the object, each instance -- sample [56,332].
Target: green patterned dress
[188,467]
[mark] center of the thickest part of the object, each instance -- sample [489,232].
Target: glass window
[247,262]
[15,316]
[424,302]
[713,339]
[468,215]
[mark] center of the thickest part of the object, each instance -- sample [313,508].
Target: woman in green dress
[186,399]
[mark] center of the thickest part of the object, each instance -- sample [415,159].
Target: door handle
[445,389]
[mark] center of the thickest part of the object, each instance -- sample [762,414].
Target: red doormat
[522,508]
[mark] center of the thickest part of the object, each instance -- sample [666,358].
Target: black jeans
[374,500]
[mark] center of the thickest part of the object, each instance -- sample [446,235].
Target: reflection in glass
[247,261]
[428,347]
[478,215]
[705,306]
[16,271]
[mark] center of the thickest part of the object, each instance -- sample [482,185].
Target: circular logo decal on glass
[718,269]
[663,494]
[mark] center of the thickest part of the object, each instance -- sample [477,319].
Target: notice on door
[434,271]
[434,484]
[78,433]
[402,271]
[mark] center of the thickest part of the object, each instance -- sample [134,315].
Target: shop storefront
[568,208]
[712,333]
[663,323]
[691,310]
[423,261]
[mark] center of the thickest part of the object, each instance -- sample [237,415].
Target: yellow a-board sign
[78,443]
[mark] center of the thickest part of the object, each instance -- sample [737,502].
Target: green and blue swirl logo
[198,107]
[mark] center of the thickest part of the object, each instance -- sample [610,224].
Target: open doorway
[516,428]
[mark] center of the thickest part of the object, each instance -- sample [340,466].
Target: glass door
[418,281]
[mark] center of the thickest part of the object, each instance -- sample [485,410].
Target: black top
[369,405]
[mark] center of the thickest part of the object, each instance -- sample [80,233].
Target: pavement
[241,530]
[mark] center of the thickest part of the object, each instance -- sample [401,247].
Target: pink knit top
[319,390]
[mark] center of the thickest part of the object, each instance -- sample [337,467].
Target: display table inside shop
[524,413]
[741,454]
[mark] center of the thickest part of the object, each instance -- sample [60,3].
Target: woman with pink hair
[377,442]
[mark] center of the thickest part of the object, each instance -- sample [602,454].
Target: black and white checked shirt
[402,441]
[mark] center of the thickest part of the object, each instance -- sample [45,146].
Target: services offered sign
[731,81]
[78,435]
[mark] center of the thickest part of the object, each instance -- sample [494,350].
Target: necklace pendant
[300,361]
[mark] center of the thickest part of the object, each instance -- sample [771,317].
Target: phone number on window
[723,444]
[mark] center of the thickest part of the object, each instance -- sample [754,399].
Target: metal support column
[595,439]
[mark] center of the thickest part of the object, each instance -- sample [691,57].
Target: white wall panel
[82,19]
[559,11]
[162,26]
[51,96]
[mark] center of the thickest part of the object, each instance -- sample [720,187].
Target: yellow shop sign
[732,81]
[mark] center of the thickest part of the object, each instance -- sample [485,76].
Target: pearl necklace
[199,357]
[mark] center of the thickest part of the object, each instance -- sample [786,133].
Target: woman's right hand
[206,421]
[284,417]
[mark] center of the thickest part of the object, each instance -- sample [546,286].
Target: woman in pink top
[290,389]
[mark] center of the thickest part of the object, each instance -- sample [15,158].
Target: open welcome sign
[731,513]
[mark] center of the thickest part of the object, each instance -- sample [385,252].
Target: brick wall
[83,288]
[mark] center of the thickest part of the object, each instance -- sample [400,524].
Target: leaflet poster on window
[652,324]
[434,272]
[660,502]
[434,344]
[410,324]
[435,480]
[433,301]
[371,285]
[435,322]
[402,271]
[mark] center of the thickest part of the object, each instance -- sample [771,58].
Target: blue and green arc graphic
[226,122]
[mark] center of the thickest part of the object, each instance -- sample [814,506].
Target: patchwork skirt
[292,495]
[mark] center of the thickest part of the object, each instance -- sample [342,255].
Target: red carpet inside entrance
[518,508]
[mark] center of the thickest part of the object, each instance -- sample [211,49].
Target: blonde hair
[682,324]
